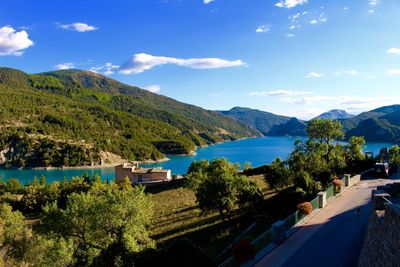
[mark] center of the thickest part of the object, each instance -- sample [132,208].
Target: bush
[305,208]
[243,251]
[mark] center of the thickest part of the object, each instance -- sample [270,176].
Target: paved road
[333,237]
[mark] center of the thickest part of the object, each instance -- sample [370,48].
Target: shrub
[305,207]
[243,251]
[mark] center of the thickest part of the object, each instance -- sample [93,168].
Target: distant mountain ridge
[335,114]
[378,125]
[266,122]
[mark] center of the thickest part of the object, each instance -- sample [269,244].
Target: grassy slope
[176,215]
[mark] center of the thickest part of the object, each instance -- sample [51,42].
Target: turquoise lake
[257,151]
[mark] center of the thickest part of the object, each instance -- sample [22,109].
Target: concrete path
[333,237]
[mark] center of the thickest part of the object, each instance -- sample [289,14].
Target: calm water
[257,151]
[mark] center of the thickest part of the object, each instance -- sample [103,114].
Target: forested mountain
[260,120]
[47,119]
[382,124]
[335,114]
[292,127]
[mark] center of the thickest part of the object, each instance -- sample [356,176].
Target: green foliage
[325,130]
[246,166]
[355,147]
[278,176]
[394,153]
[102,217]
[219,187]
[13,186]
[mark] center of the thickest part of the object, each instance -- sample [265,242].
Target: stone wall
[382,243]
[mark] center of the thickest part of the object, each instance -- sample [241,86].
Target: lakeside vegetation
[86,222]
[66,118]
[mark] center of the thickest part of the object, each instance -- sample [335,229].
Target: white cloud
[207,1]
[142,62]
[300,19]
[279,93]
[394,50]
[153,88]
[393,72]
[13,43]
[106,69]
[290,3]
[263,28]
[347,72]
[314,75]
[77,26]
[65,66]
[290,35]
[372,5]
[346,8]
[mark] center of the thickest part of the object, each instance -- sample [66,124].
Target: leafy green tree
[278,176]
[325,130]
[355,147]
[99,218]
[219,187]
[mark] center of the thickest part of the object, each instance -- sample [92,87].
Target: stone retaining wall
[382,242]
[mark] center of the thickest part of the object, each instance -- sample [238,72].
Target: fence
[330,192]
[266,239]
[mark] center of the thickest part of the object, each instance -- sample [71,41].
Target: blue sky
[290,57]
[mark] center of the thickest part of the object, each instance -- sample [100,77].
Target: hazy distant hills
[335,114]
[268,123]
[88,111]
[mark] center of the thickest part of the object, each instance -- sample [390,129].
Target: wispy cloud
[77,26]
[394,50]
[279,93]
[65,66]
[12,42]
[263,28]
[372,5]
[393,72]
[207,1]
[347,72]
[290,3]
[154,88]
[314,74]
[300,19]
[106,69]
[289,35]
[142,62]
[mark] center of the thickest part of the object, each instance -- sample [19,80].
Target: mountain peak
[335,114]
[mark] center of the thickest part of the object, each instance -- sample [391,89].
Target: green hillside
[260,120]
[292,127]
[47,119]
[379,125]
